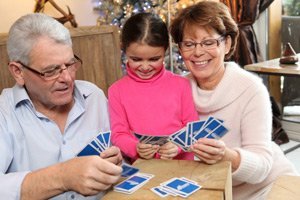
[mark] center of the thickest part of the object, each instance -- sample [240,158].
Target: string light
[116,12]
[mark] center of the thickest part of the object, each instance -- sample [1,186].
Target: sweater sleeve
[256,147]
[121,135]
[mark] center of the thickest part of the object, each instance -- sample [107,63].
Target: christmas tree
[116,12]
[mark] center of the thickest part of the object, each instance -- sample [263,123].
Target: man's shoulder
[87,87]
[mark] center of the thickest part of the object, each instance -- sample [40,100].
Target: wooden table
[215,179]
[285,187]
[273,67]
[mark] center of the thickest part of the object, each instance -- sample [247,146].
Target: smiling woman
[236,97]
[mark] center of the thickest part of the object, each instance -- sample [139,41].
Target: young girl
[149,99]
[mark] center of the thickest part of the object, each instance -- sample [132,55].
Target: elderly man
[48,117]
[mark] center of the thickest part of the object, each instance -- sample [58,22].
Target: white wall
[11,10]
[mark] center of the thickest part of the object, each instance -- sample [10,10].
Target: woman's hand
[209,151]
[168,151]
[146,151]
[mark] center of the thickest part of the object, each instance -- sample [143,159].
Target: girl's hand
[146,151]
[168,151]
[209,151]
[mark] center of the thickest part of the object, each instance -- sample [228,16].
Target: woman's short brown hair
[210,15]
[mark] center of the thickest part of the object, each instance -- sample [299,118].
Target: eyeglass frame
[218,40]
[42,74]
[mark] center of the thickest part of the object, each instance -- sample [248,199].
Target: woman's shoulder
[240,75]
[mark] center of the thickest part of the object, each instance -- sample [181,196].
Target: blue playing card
[159,191]
[196,126]
[208,127]
[182,187]
[131,184]
[128,170]
[180,138]
[100,138]
[151,139]
[106,137]
[96,144]
[218,132]
[88,151]
[138,136]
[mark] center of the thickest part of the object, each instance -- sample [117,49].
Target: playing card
[157,140]
[210,125]
[100,147]
[194,128]
[182,187]
[150,139]
[218,132]
[106,137]
[138,136]
[97,145]
[179,138]
[159,191]
[100,139]
[128,170]
[168,191]
[133,183]
[88,151]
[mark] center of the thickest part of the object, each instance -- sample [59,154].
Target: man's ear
[16,72]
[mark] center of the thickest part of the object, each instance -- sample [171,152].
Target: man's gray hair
[26,30]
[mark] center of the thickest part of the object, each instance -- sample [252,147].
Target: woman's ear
[16,72]
[228,42]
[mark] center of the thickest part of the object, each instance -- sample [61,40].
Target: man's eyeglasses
[53,72]
[205,44]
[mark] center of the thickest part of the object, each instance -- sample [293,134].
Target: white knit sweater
[242,101]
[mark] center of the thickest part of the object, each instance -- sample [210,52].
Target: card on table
[159,191]
[133,183]
[181,186]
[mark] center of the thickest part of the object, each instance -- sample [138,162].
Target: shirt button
[72,196]
[64,142]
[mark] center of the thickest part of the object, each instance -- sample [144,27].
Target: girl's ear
[16,72]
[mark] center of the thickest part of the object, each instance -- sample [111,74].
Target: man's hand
[89,175]
[113,155]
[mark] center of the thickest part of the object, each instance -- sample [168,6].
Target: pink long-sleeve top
[158,106]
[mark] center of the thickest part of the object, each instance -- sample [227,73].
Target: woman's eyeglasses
[205,44]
